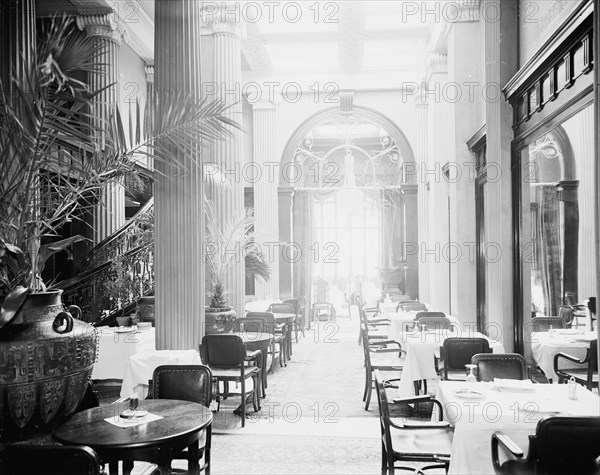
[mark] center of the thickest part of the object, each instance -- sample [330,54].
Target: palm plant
[224,235]
[55,156]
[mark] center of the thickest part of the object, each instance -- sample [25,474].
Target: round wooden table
[156,441]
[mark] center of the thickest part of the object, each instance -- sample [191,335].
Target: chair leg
[366,383]
[243,402]
[255,395]
[369,390]
[383,460]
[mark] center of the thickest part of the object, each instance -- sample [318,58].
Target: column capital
[224,18]
[101,25]
[149,68]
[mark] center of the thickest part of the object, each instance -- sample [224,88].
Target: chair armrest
[371,321]
[508,444]
[425,424]
[569,358]
[385,342]
[412,399]
[419,399]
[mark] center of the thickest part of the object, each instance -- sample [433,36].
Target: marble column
[264,127]
[421,152]
[17,40]
[109,214]
[229,200]
[178,197]
[501,63]
[411,235]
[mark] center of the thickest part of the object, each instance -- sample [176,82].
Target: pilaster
[264,127]
[501,63]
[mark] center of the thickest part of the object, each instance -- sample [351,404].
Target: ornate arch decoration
[554,150]
[395,146]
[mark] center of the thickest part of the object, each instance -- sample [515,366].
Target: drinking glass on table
[471,378]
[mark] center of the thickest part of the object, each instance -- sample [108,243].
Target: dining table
[545,345]
[477,410]
[115,345]
[402,323]
[171,426]
[422,349]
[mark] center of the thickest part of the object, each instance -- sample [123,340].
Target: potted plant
[235,232]
[53,163]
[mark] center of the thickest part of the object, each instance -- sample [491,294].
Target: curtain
[548,231]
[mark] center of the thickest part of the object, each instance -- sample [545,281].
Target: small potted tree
[237,232]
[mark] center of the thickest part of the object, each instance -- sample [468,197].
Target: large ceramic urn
[219,320]
[46,360]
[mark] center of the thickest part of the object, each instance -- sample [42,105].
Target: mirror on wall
[557,226]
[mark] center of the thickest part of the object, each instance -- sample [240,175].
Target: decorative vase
[218,320]
[46,360]
[146,309]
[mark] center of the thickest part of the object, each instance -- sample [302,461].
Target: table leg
[164,462]
[193,456]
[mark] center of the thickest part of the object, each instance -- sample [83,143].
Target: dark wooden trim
[596,54]
[518,319]
[478,140]
[548,49]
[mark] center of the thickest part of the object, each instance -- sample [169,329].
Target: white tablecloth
[139,368]
[114,348]
[421,351]
[402,322]
[515,413]
[260,305]
[544,345]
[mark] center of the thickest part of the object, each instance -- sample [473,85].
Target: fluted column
[178,197]
[264,126]
[421,107]
[109,214]
[17,39]
[229,200]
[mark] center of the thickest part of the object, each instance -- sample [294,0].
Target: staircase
[117,271]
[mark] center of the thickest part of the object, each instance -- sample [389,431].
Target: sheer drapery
[550,252]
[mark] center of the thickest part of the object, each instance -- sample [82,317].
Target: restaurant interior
[299,237]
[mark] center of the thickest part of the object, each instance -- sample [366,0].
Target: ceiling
[367,43]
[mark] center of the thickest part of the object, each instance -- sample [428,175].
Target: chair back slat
[503,366]
[223,350]
[457,352]
[183,382]
[567,444]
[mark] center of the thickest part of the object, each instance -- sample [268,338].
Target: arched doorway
[353,209]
